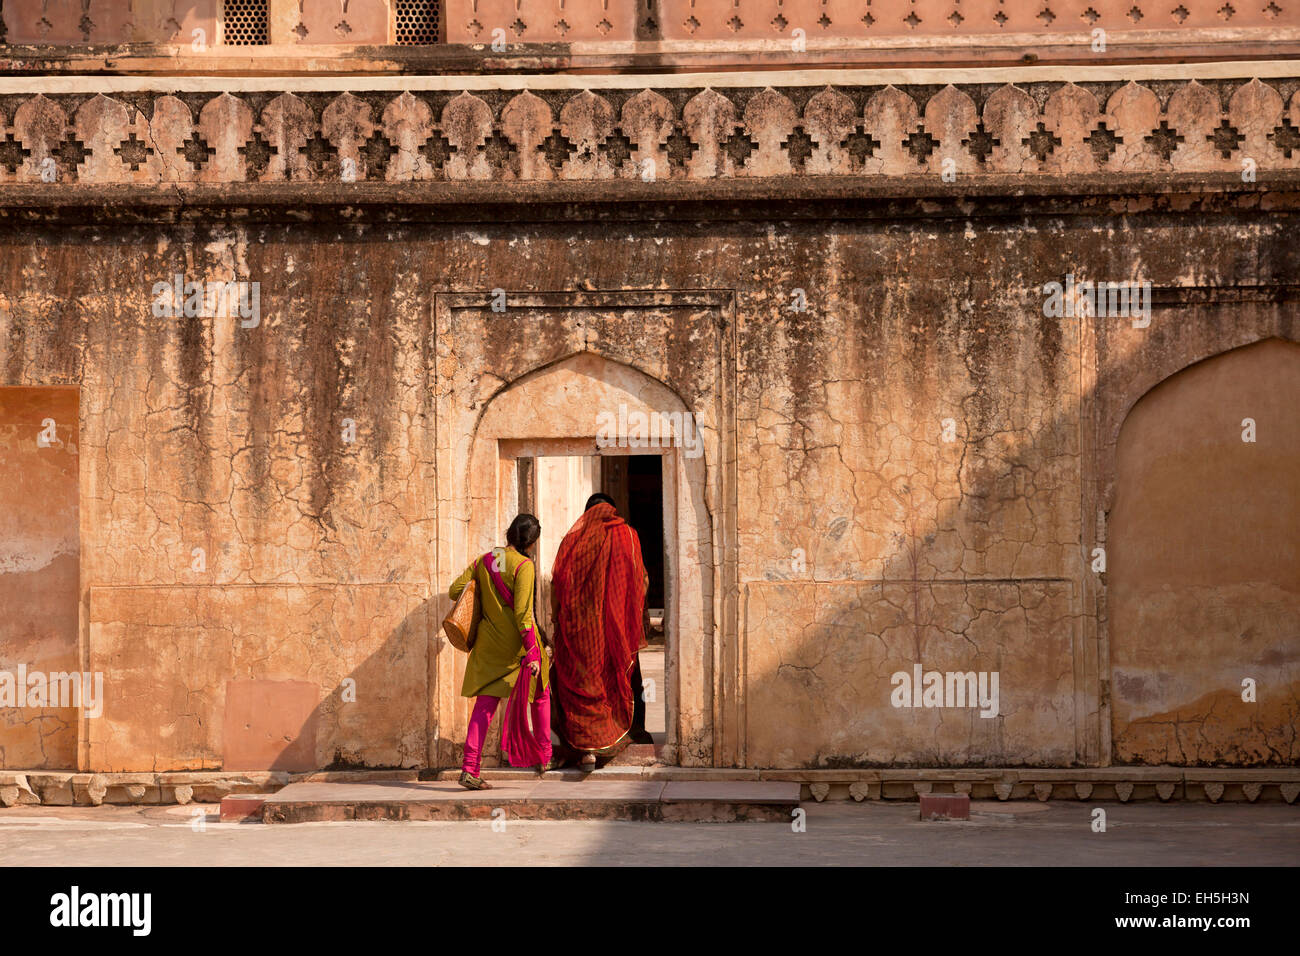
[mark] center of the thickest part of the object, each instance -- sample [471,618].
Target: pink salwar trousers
[484,708]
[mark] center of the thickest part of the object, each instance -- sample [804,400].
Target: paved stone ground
[837,834]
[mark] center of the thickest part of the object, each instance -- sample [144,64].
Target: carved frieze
[649,135]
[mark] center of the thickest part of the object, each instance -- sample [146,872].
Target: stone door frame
[637,329]
[509,451]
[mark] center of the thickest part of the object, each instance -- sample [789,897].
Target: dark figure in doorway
[598,589]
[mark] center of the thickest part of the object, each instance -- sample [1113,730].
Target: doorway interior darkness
[636,483]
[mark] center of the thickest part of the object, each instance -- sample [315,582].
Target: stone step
[632,755]
[638,755]
[531,798]
[610,772]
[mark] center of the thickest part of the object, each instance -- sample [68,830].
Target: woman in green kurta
[506,640]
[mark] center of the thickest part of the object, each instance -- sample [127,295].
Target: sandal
[473,783]
[588,763]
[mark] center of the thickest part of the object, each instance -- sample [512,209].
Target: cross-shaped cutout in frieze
[257,153]
[378,152]
[1285,138]
[680,148]
[920,144]
[558,149]
[1226,139]
[800,146]
[981,143]
[1164,140]
[320,153]
[860,145]
[133,152]
[1041,142]
[12,153]
[617,148]
[1103,141]
[498,150]
[739,146]
[437,149]
[72,152]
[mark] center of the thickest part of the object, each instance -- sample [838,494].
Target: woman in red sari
[598,586]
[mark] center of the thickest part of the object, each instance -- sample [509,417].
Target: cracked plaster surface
[195,432]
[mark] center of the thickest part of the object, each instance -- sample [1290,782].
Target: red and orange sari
[598,589]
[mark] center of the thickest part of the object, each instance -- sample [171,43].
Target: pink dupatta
[518,734]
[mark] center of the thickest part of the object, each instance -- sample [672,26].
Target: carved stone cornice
[651,138]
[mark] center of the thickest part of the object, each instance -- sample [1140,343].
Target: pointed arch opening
[1204,564]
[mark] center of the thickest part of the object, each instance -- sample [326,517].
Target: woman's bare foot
[588,763]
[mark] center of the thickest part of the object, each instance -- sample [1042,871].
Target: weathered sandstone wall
[924,463]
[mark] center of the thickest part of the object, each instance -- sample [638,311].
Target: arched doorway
[540,433]
[1204,561]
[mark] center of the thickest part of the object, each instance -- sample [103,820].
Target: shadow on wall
[374,718]
[289,677]
[988,580]
[929,517]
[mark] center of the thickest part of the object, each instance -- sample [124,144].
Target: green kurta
[498,650]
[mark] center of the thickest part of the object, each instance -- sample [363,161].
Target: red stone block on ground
[242,807]
[945,806]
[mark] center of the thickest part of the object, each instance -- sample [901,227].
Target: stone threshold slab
[535,799]
[1095,774]
[618,772]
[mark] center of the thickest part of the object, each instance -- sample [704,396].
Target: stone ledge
[1213,785]
[69,788]
[1267,775]
[50,72]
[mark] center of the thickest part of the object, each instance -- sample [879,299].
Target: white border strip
[1263,69]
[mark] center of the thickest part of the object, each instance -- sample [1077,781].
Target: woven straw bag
[461,623]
